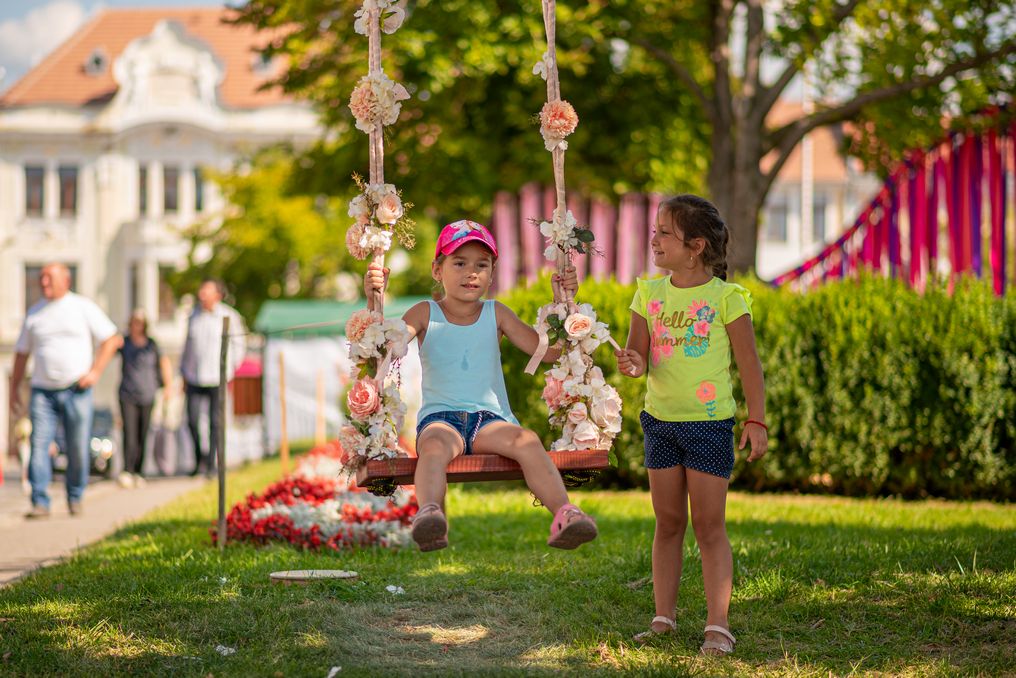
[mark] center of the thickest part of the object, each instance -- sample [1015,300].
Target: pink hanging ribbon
[996,191]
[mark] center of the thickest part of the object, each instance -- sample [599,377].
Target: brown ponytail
[699,218]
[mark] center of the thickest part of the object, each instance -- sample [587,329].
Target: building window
[167,298]
[199,191]
[33,287]
[97,62]
[170,189]
[818,218]
[68,190]
[142,190]
[776,220]
[34,190]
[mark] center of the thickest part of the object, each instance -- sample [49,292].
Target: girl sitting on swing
[465,405]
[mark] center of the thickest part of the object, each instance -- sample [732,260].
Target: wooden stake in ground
[221,451]
[319,410]
[284,440]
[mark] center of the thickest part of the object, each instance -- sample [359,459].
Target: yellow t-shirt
[689,350]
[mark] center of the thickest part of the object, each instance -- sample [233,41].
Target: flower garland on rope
[376,412]
[581,403]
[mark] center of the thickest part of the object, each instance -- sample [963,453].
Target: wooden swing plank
[478,467]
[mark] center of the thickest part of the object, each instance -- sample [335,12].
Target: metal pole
[220,453]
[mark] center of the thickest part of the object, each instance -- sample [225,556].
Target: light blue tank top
[462,366]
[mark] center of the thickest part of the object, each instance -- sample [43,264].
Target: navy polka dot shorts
[706,446]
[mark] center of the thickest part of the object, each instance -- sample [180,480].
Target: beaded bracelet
[756,421]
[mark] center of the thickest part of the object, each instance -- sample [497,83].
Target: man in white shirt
[62,332]
[199,366]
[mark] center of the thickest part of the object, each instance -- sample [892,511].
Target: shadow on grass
[157,598]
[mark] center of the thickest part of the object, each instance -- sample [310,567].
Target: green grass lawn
[822,585]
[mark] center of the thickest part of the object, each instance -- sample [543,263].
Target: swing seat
[577,467]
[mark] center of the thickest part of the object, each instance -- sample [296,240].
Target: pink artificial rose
[578,326]
[353,236]
[558,119]
[363,399]
[701,328]
[363,103]
[359,322]
[553,392]
[578,414]
[389,209]
[586,435]
[706,392]
[349,439]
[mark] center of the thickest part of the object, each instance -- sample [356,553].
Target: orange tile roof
[829,163]
[60,78]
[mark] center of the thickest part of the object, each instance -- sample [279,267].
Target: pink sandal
[430,528]
[571,528]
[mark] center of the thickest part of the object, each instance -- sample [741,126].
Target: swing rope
[577,465]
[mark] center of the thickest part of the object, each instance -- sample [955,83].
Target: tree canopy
[673,95]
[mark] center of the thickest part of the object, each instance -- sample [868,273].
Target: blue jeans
[71,407]
[466,424]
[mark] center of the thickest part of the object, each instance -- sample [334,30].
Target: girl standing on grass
[465,405]
[683,329]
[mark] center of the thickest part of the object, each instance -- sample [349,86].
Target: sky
[30,29]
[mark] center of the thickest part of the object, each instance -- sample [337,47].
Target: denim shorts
[706,446]
[466,424]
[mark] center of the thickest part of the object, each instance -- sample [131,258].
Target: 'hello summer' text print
[691,329]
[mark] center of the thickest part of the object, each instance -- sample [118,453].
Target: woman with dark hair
[145,371]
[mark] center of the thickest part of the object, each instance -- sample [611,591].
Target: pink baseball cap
[458,233]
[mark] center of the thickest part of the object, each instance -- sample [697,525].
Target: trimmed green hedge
[871,388]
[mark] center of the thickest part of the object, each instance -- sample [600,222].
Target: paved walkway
[29,544]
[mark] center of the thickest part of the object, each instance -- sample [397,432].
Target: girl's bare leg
[437,446]
[669,490]
[525,447]
[708,495]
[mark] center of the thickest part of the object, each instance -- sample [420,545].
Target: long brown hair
[699,218]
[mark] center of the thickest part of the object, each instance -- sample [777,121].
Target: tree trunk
[742,220]
[736,187]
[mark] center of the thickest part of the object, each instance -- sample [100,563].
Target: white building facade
[104,151]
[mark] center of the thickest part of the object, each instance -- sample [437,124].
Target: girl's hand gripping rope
[629,362]
[565,286]
[374,280]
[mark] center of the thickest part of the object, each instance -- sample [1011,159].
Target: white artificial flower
[374,239]
[540,68]
[359,209]
[391,23]
[377,192]
[576,364]
[552,144]
[550,253]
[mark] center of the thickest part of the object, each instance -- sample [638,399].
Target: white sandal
[646,635]
[723,647]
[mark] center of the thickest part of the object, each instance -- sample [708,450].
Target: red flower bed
[313,508]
